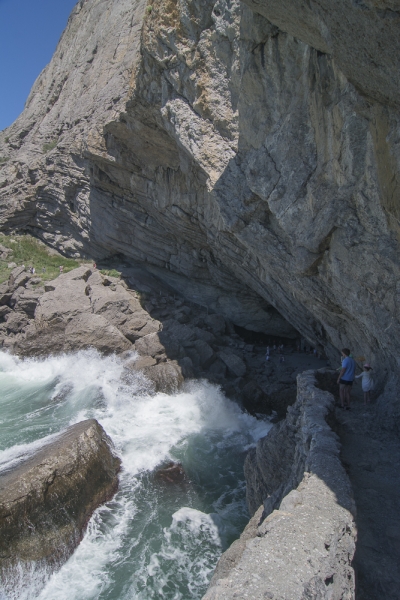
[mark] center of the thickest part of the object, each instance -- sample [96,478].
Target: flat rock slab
[46,502]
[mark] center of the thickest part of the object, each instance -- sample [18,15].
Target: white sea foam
[198,424]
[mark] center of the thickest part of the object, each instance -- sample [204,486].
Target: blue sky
[29,33]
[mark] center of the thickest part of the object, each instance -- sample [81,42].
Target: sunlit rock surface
[46,501]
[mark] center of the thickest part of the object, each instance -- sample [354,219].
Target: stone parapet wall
[305,546]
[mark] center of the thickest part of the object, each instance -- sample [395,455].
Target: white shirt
[367,381]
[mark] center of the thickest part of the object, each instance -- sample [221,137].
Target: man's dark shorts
[344,382]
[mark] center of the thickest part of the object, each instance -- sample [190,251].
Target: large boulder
[235,364]
[79,309]
[67,300]
[46,502]
[150,345]
[205,352]
[88,330]
[166,376]
[26,300]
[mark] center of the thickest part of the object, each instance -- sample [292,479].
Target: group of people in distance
[275,348]
[347,376]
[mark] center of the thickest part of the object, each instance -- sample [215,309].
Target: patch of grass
[110,272]
[27,250]
[149,9]
[49,146]
[3,159]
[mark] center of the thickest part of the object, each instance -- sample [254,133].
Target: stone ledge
[304,549]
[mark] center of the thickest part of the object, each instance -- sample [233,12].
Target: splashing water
[152,541]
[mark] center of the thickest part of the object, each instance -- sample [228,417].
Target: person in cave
[367,382]
[346,378]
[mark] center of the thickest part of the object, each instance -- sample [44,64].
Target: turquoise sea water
[152,541]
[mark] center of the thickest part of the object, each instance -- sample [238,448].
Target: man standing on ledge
[346,378]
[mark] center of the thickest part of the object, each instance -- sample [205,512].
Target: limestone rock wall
[248,148]
[305,545]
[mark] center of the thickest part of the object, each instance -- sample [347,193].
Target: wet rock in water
[142,363]
[172,473]
[47,500]
[166,376]
[186,366]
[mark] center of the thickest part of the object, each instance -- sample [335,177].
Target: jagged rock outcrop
[79,309]
[167,340]
[248,152]
[304,547]
[46,501]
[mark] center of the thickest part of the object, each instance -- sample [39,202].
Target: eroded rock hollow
[247,152]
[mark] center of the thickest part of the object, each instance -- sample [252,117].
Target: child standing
[367,382]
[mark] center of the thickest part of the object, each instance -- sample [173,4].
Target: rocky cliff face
[248,152]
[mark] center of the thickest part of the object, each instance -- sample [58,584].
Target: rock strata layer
[304,547]
[47,500]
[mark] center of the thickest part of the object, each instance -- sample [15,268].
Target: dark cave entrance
[259,338]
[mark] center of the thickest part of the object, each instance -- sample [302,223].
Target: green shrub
[49,146]
[7,139]
[3,159]
[149,9]
[110,272]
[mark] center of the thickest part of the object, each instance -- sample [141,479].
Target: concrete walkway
[371,456]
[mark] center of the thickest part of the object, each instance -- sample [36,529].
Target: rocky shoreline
[170,340]
[243,158]
[174,338]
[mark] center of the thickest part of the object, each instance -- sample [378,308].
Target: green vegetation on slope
[111,272]
[27,250]
[49,146]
